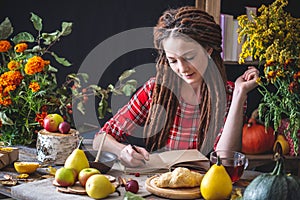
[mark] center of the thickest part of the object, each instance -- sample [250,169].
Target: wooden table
[44,189]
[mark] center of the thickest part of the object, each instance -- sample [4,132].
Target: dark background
[96,20]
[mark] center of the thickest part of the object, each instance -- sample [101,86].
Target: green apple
[52,121]
[85,173]
[98,186]
[65,176]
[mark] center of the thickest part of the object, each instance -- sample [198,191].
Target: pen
[134,148]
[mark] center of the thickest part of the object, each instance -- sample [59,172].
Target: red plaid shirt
[131,117]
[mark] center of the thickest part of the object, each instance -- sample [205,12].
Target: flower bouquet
[28,86]
[273,38]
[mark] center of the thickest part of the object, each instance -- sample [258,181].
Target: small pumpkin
[256,139]
[275,185]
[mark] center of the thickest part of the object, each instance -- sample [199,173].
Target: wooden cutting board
[74,189]
[176,193]
[77,188]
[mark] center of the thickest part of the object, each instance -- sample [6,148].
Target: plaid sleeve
[131,116]
[229,88]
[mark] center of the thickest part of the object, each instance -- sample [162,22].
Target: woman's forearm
[110,144]
[232,132]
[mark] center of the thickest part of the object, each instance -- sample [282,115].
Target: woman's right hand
[131,158]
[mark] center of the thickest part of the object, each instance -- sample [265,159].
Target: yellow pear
[98,186]
[216,183]
[77,160]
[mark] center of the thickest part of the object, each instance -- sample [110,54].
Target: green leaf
[66,28]
[6,29]
[131,196]
[62,61]
[23,37]
[50,37]
[102,108]
[84,76]
[128,89]
[126,74]
[5,120]
[52,69]
[81,108]
[37,22]
[36,48]
[131,82]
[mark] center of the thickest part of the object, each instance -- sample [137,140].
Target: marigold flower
[4,45]
[35,64]
[40,118]
[296,76]
[11,78]
[21,47]
[13,65]
[294,87]
[270,62]
[271,75]
[34,86]
[6,101]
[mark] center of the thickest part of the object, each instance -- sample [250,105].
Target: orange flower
[296,76]
[13,65]
[5,101]
[21,47]
[34,86]
[4,45]
[40,117]
[294,87]
[11,78]
[271,75]
[269,63]
[35,64]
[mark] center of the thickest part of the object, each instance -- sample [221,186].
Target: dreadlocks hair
[201,27]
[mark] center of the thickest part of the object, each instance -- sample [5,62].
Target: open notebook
[165,161]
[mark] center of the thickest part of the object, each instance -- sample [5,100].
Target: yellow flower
[4,45]
[35,64]
[13,65]
[34,86]
[271,75]
[21,47]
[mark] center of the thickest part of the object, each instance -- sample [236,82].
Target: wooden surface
[44,189]
[292,163]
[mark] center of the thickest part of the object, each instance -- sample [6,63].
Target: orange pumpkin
[256,138]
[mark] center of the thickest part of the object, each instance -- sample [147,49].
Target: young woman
[190,103]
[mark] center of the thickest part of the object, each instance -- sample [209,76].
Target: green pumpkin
[275,185]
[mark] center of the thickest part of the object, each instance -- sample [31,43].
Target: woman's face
[188,59]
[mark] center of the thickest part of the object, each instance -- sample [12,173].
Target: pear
[98,186]
[216,183]
[77,160]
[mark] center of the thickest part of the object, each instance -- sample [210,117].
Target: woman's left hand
[247,81]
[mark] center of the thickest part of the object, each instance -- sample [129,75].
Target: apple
[52,121]
[132,186]
[65,176]
[85,173]
[64,127]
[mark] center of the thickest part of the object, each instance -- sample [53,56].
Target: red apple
[52,121]
[65,176]
[85,173]
[64,127]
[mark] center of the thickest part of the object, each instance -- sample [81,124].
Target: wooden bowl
[106,160]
